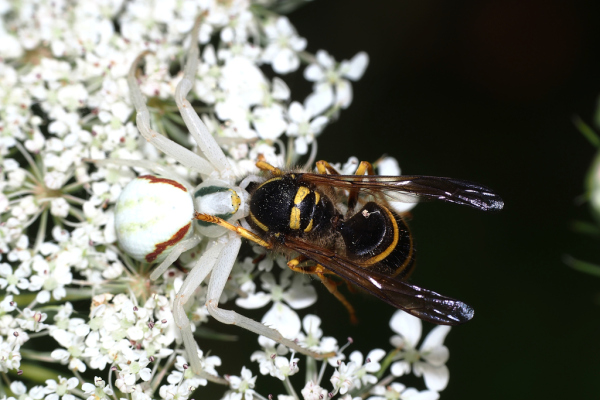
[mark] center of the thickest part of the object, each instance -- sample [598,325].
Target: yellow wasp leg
[324,168]
[265,166]
[330,284]
[363,167]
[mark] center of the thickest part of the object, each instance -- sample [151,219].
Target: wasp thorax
[285,205]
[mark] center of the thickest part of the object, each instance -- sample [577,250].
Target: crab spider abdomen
[152,215]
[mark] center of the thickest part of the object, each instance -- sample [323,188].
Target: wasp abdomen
[379,239]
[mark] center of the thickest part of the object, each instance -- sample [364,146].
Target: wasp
[344,226]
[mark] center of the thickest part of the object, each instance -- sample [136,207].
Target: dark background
[485,91]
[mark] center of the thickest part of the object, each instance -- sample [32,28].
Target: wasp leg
[363,167]
[324,168]
[330,284]
[243,232]
[265,166]
[294,262]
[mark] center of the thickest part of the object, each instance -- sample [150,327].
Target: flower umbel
[70,145]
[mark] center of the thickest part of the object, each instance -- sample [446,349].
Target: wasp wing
[421,303]
[412,188]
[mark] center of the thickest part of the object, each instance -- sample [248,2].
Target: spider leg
[174,254]
[218,279]
[193,280]
[166,145]
[197,128]
[161,170]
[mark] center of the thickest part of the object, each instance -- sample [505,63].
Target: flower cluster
[66,285]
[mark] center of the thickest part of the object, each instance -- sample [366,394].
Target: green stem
[387,361]
[289,388]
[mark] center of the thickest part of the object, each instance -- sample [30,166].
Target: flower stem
[290,388]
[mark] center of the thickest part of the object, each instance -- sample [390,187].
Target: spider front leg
[219,277]
[197,128]
[164,144]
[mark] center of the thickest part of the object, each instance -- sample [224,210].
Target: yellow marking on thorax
[309,227]
[302,192]
[295,218]
[270,180]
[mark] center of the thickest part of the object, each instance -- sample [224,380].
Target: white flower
[136,366]
[32,320]
[284,367]
[184,374]
[428,361]
[244,84]
[266,357]
[294,289]
[60,390]
[20,390]
[75,349]
[7,305]
[284,44]
[271,361]
[51,277]
[389,166]
[331,88]
[98,390]
[269,121]
[344,377]
[363,376]
[314,339]
[13,281]
[10,356]
[174,392]
[312,391]
[243,385]
[397,391]
[303,127]
[59,207]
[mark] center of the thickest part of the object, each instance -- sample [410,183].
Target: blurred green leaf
[587,131]
[582,266]
[586,228]
[37,373]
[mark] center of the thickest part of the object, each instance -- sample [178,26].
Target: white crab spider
[154,210]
